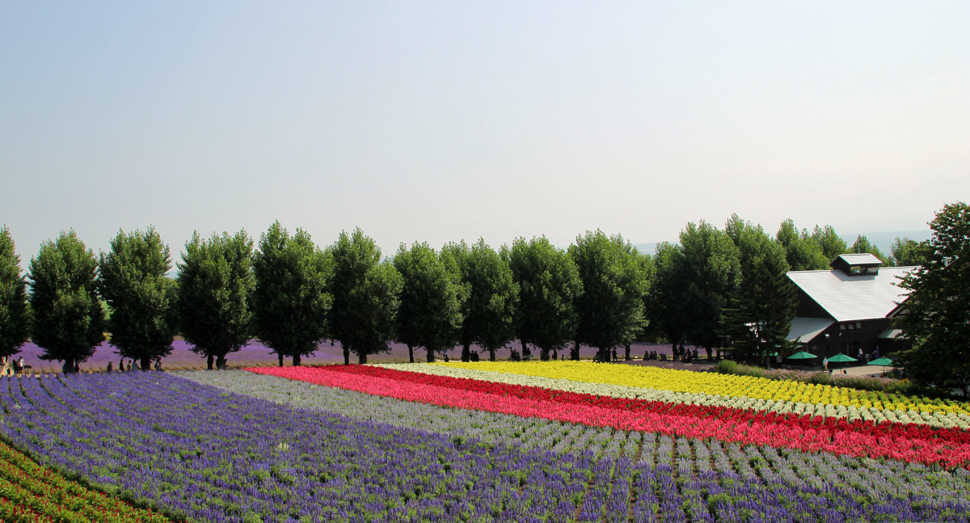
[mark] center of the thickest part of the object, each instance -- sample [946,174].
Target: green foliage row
[712,286]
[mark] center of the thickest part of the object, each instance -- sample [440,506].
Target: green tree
[68,317]
[290,299]
[142,300]
[863,245]
[216,286]
[610,309]
[832,245]
[936,315]
[365,294]
[759,312]
[549,285]
[666,311]
[430,314]
[648,268]
[802,252]
[493,297]
[712,272]
[907,253]
[14,316]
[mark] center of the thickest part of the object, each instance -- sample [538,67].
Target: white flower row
[851,413]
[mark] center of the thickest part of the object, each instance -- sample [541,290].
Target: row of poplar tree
[715,288]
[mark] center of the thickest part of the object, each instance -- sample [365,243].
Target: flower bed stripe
[635,405]
[851,413]
[720,384]
[683,420]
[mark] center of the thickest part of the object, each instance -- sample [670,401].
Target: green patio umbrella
[802,355]
[885,362]
[841,358]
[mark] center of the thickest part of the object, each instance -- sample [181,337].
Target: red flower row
[805,422]
[839,437]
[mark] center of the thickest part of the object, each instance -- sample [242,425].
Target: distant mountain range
[883,240]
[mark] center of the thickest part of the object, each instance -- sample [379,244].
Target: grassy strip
[889,386]
[32,493]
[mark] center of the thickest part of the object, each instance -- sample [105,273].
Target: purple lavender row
[215,456]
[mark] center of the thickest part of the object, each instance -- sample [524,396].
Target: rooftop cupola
[864,264]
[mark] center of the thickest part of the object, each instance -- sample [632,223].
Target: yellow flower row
[712,383]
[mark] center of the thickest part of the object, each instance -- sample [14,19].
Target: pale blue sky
[450,120]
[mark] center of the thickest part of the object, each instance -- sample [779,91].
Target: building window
[858,325]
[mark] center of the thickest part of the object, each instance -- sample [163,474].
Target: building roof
[859,259]
[804,330]
[853,297]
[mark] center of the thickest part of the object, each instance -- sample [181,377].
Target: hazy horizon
[437,121]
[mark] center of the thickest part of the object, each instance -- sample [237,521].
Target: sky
[442,121]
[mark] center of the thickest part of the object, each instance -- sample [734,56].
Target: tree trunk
[574,352]
[279,356]
[491,354]
[146,363]
[67,368]
[709,350]
[466,352]
[543,354]
[555,354]
[410,353]
[430,355]
[525,349]
[362,358]
[296,359]
[627,356]
[346,354]
[208,362]
[221,362]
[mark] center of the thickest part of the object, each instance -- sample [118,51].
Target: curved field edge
[31,493]
[225,457]
[851,413]
[529,432]
[689,460]
[943,446]
[726,385]
[279,452]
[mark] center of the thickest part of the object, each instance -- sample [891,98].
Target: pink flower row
[754,432]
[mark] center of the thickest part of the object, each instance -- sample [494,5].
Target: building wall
[839,338]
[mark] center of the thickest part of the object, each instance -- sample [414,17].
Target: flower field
[729,386]
[481,442]
[777,405]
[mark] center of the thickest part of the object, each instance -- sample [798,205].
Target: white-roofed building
[847,308]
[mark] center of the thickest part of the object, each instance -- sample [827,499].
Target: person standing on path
[825,363]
